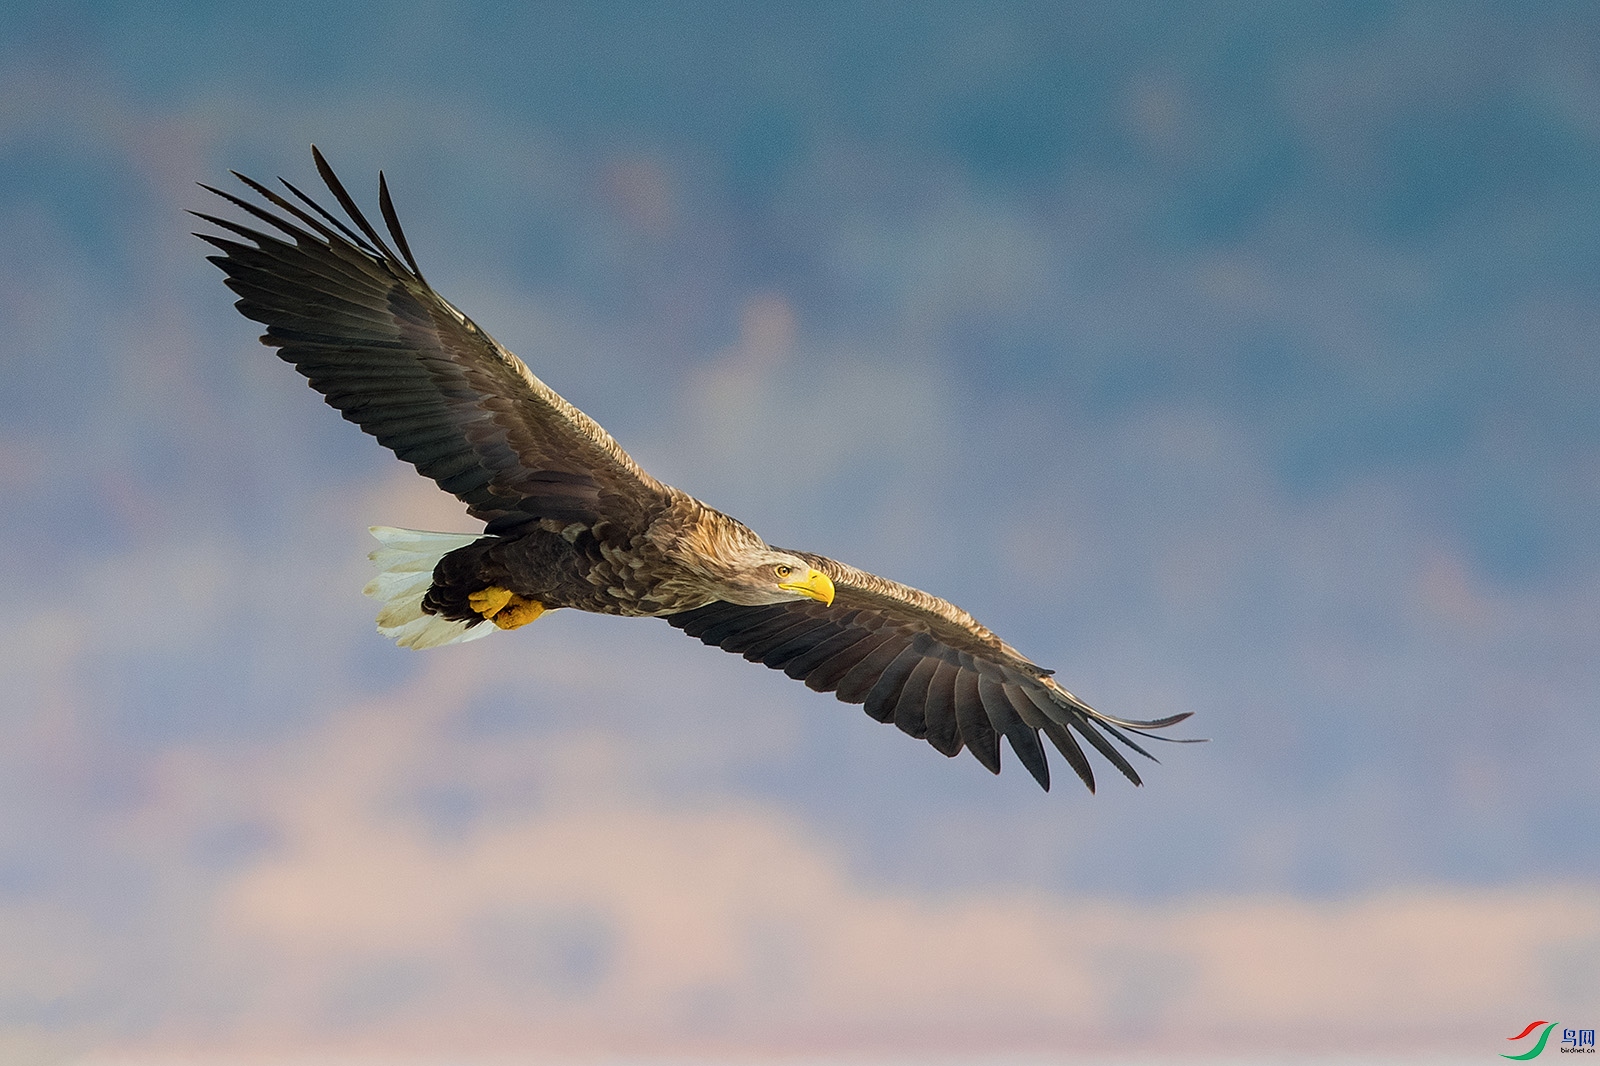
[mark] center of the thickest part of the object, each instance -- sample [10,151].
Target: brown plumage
[572,521]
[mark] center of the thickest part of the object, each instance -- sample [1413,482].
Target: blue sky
[1229,358]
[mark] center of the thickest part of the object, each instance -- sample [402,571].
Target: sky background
[1226,357]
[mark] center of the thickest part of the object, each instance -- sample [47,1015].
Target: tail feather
[406,561]
[391,584]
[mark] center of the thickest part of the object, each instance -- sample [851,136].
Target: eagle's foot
[518,612]
[503,607]
[489,602]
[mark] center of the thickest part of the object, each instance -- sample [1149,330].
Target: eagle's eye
[783,571]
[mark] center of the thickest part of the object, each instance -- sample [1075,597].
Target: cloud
[583,909]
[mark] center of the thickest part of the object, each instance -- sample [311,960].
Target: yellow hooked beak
[815,584]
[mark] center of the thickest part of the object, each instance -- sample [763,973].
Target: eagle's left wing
[923,664]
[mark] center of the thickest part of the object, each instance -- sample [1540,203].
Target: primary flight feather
[572,521]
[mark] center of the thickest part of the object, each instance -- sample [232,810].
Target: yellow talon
[517,612]
[490,601]
[503,607]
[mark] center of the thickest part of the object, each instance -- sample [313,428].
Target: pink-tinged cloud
[586,912]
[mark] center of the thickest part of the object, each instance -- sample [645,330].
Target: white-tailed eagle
[572,521]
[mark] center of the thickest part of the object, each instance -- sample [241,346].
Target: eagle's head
[772,576]
[739,567]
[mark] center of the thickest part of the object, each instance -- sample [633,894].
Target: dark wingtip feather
[1085,728]
[1135,723]
[349,234]
[346,201]
[392,220]
[1061,737]
[266,216]
[213,219]
[1116,725]
[1129,741]
[973,722]
[1007,721]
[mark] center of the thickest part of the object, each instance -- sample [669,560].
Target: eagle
[571,521]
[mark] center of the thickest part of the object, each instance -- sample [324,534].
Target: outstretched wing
[923,664]
[397,359]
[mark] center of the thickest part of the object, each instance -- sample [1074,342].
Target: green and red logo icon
[1573,1041]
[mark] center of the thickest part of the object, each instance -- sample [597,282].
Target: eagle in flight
[572,521]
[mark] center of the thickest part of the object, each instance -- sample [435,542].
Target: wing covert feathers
[927,666]
[370,334]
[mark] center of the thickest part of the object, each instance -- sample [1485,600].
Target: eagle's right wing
[396,358]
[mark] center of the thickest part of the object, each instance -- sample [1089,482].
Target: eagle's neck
[711,541]
[709,551]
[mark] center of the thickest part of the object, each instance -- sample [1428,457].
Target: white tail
[405,573]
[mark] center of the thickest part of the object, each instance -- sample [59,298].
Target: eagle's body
[646,568]
[573,522]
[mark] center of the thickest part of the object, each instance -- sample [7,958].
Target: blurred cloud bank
[1226,359]
[396,874]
